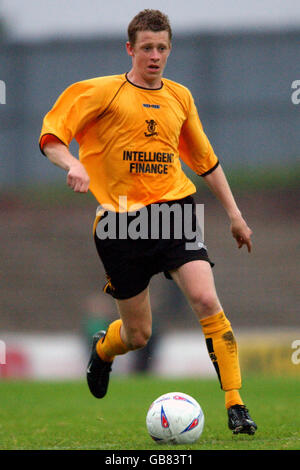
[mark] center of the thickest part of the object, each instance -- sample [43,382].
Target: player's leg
[127,281]
[130,332]
[195,279]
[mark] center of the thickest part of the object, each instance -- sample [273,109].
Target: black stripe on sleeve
[211,170]
[49,133]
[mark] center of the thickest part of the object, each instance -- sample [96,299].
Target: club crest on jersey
[151,128]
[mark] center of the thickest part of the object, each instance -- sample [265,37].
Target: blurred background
[240,61]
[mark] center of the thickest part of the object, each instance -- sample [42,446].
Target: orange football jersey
[131,139]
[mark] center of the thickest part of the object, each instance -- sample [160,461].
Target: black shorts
[130,262]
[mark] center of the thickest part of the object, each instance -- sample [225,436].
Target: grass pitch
[64,416]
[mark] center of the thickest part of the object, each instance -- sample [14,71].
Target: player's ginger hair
[153,20]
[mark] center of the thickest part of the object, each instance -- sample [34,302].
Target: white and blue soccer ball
[175,418]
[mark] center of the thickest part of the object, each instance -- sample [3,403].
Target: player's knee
[205,304]
[139,339]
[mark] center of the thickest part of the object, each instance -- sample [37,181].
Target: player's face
[149,56]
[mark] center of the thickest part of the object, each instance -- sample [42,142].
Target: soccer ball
[175,418]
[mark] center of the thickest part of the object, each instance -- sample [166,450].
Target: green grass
[63,415]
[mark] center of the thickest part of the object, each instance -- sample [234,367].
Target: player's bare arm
[77,177]
[218,184]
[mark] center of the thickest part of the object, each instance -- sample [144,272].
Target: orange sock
[232,397]
[111,345]
[222,350]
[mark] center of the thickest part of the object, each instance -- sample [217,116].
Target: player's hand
[241,232]
[77,178]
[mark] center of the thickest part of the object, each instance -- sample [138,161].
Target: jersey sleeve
[194,147]
[79,104]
